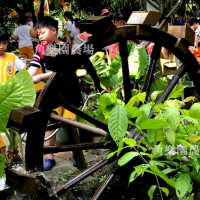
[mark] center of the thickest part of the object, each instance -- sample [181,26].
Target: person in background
[198,33]
[73,36]
[117,11]
[90,11]
[29,14]
[9,65]
[178,19]
[105,12]
[23,33]
[194,24]
[196,12]
[114,48]
[70,25]
[187,17]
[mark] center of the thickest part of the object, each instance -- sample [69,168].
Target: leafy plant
[19,91]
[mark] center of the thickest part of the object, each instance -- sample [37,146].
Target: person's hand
[37,78]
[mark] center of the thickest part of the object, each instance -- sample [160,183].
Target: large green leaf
[107,99]
[28,93]
[151,191]
[118,123]
[172,116]
[115,65]
[153,124]
[127,157]
[57,4]
[170,135]
[116,79]
[158,85]
[177,91]
[10,98]
[182,184]
[143,62]
[133,112]
[195,111]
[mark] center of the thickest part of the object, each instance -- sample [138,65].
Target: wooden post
[40,9]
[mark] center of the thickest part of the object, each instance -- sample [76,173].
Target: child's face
[29,14]
[119,23]
[3,47]
[46,36]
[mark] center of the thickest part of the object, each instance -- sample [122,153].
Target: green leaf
[10,98]
[120,147]
[182,184]
[116,79]
[146,111]
[195,111]
[105,82]
[154,95]
[28,93]
[170,135]
[131,102]
[118,123]
[159,106]
[168,170]
[175,102]
[107,99]
[57,4]
[159,149]
[107,110]
[162,175]
[115,65]
[2,166]
[172,116]
[185,112]
[190,119]
[189,198]
[165,190]
[133,112]
[141,96]
[153,124]
[151,191]
[159,135]
[193,138]
[189,99]
[158,85]
[177,91]
[143,62]
[127,157]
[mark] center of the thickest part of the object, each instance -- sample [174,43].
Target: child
[70,25]
[9,64]
[47,28]
[29,14]
[24,33]
[114,48]
[73,36]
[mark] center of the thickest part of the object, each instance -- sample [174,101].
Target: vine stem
[154,174]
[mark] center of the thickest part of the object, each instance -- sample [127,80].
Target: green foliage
[2,165]
[182,184]
[118,123]
[151,191]
[19,91]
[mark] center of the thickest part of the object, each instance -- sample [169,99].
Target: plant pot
[190,90]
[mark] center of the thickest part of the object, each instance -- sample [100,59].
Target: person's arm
[33,71]
[38,78]
[80,39]
[33,33]
[72,37]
